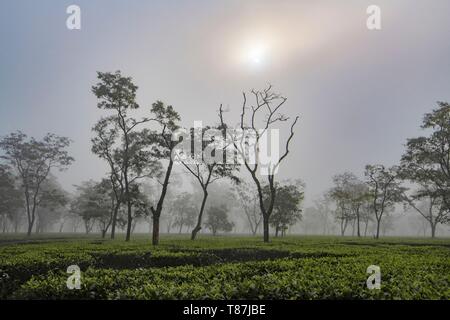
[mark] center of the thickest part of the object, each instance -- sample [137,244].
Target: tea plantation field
[223,268]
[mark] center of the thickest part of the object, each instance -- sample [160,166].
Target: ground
[230,267]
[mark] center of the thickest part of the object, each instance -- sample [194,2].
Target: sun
[257,54]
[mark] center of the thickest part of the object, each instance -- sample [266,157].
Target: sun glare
[257,54]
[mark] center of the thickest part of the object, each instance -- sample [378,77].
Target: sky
[359,93]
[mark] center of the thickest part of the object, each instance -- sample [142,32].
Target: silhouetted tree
[254,126]
[131,160]
[426,163]
[384,190]
[168,119]
[207,163]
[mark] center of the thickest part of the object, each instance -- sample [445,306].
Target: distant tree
[11,199]
[351,195]
[341,193]
[264,115]
[106,203]
[33,161]
[184,210]
[387,224]
[52,204]
[208,163]
[130,156]
[367,214]
[430,206]
[248,197]
[141,205]
[384,190]
[287,207]
[323,207]
[94,204]
[218,220]
[426,162]
[420,224]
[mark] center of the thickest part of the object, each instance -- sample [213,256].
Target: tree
[106,203]
[103,145]
[218,220]
[208,163]
[350,194]
[126,146]
[384,190]
[95,204]
[167,118]
[426,162]
[53,202]
[248,197]
[141,205]
[34,160]
[430,206]
[323,209]
[286,211]
[367,214]
[265,111]
[341,193]
[10,198]
[185,211]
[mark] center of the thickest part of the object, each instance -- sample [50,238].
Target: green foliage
[228,268]
[286,208]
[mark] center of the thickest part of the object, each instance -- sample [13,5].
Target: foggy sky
[359,93]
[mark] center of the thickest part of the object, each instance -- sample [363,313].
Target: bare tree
[263,115]
[208,163]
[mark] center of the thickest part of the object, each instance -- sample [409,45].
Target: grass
[310,267]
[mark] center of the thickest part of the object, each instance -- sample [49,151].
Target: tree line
[136,149]
[139,150]
[421,181]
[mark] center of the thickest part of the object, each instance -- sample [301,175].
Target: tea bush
[227,268]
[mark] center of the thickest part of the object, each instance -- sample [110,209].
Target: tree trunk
[358,230]
[198,227]
[266,228]
[277,228]
[114,220]
[433,229]
[181,228]
[155,233]
[377,236]
[103,234]
[159,206]
[130,219]
[30,227]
